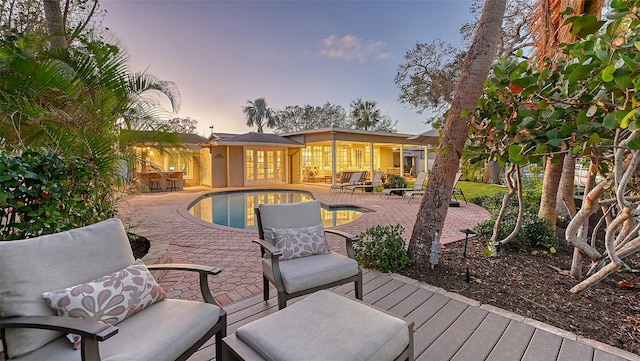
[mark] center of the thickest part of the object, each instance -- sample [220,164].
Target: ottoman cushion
[326,326]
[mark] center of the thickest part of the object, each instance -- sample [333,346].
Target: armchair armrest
[185,267]
[204,272]
[93,330]
[348,236]
[266,246]
[349,239]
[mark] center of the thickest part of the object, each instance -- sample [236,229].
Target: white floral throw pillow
[300,242]
[111,298]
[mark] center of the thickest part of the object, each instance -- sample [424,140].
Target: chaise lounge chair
[376,181]
[417,186]
[458,190]
[353,180]
[453,193]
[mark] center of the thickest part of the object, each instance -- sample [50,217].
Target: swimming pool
[236,208]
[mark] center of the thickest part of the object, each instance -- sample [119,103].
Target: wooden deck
[448,327]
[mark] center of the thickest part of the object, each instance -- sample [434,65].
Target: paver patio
[231,249]
[448,326]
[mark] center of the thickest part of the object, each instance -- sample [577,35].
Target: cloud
[350,47]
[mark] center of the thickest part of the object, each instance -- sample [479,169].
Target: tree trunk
[550,183]
[491,172]
[565,203]
[433,208]
[55,24]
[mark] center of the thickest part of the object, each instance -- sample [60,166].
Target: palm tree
[365,114]
[75,101]
[257,111]
[475,68]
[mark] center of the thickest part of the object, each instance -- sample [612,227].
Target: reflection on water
[236,209]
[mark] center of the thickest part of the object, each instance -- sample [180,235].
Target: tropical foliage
[587,105]
[42,192]
[257,112]
[70,97]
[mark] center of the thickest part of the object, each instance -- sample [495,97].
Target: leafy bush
[42,193]
[396,181]
[383,248]
[535,232]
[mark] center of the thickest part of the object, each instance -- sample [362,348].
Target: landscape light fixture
[466,232]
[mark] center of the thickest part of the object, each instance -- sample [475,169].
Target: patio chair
[173,179]
[417,186]
[86,281]
[354,179]
[376,181]
[155,181]
[295,254]
[456,190]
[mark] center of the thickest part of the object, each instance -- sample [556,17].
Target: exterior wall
[219,166]
[386,159]
[236,167]
[294,166]
[205,167]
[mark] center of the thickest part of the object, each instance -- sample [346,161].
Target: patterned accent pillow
[300,242]
[109,299]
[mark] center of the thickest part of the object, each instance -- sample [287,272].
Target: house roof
[348,130]
[218,136]
[254,138]
[146,137]
[346,134]
[428,137]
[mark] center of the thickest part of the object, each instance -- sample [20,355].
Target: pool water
[236,208]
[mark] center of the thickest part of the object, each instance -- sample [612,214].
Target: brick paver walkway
[231,249]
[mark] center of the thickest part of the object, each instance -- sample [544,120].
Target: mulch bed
[531,286]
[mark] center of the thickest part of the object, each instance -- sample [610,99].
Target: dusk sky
[223,53]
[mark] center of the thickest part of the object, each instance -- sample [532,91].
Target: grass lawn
[473,189]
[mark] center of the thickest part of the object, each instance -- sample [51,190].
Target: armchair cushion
[175,324]
[307,272]
[300,242]
[111,298]
[97,250]
[290,215]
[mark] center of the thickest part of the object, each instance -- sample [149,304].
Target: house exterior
[318,155]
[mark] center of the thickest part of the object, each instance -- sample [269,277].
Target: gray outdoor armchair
[47,281]
[305,267]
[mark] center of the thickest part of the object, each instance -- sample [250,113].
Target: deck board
[450,341]
[480,344]
[513,343]
[444,328]
[544,346]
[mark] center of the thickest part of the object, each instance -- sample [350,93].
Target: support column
[333,161]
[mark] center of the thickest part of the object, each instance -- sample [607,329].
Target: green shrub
[535,232]
[396,181]
[42,193]
[382,248]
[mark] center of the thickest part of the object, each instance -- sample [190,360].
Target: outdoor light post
[467,232]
